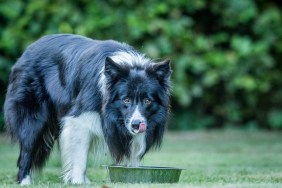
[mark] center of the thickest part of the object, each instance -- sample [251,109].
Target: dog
[85,92]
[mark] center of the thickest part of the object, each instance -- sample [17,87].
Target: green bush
[225,53]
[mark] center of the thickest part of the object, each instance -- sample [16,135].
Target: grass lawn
[211,159]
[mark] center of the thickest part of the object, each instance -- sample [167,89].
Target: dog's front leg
[137,149]
[75,140]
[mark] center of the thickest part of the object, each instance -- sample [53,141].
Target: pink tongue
[142,127]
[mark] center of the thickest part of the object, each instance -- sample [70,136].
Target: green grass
[211,159]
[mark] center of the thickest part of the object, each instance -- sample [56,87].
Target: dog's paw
[80,180]
[26,181]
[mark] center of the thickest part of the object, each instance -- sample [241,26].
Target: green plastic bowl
[144,174]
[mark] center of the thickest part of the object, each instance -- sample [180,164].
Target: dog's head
[138,94]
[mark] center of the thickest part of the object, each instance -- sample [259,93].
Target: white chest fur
[137,148]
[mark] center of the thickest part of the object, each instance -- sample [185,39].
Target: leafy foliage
[226,54]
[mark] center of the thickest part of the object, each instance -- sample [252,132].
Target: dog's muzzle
[138,126]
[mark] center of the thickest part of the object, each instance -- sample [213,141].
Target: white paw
[26,181]
[80,180]
[77,180]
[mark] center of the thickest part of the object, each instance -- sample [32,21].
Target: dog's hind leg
[24,164]
[25,120]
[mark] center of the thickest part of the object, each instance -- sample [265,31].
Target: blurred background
[226,54]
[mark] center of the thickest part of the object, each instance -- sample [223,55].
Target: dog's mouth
[142,128]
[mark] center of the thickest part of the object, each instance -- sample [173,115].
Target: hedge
[225,53]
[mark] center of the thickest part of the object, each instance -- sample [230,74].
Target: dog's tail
[44,145]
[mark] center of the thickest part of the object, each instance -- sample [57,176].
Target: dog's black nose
[135,124]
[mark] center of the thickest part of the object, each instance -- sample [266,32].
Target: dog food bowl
[144,174]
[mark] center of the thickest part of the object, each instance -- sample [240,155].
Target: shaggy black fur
[60,75]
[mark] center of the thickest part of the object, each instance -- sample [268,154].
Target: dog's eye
[126,100]
[147,101]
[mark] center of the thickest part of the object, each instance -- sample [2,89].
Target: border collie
[85,92]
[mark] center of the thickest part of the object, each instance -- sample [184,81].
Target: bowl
[144,174]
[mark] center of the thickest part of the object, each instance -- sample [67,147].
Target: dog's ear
[161,71]
[114,70]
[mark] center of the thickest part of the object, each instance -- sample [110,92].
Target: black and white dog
[85,92]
